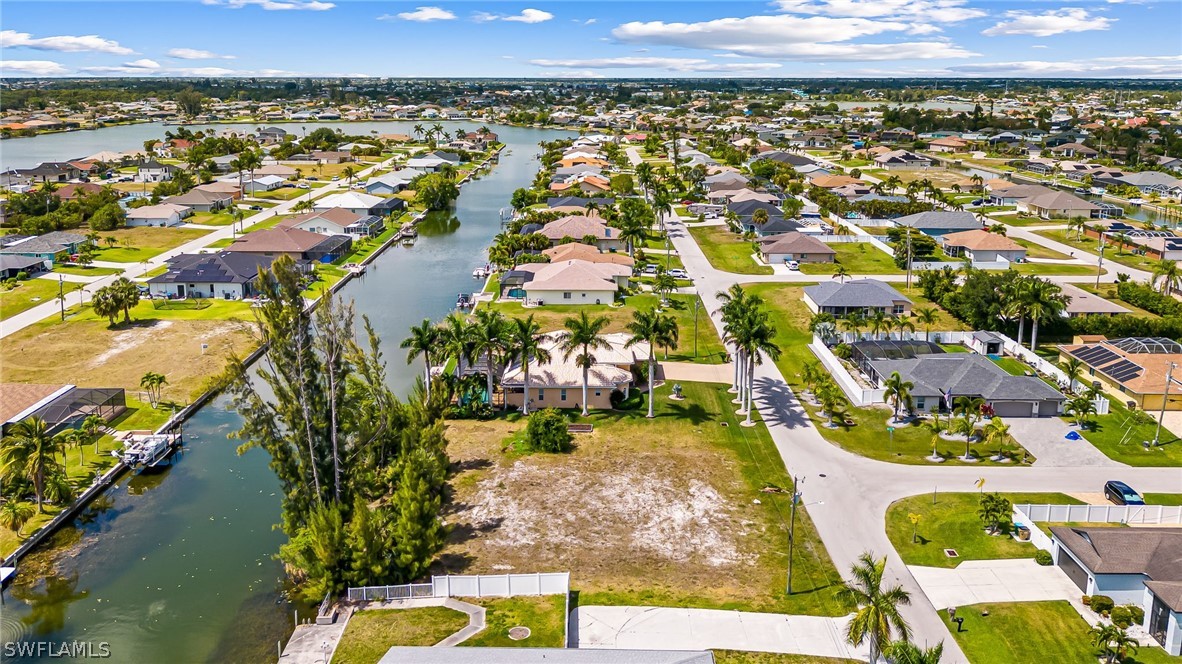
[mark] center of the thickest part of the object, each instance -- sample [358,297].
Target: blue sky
[782,38]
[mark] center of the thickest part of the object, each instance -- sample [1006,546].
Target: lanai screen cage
[68,410]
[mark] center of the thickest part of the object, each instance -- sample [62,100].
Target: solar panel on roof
[1122,371]
[1096,355]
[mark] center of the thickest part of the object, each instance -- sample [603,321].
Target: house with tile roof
[559,382]
[982,246]
[577,227]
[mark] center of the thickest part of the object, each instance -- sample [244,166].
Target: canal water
[179,567]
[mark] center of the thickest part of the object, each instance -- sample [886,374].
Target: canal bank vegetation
[362,472]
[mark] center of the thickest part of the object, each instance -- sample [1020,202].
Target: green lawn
[856,258]
[193,309]
[370,634]
[952,523]
[220,244]
[710,349]
[1035,250]
[1120,437]
[30,293]
[1012,366]
[543,616]
[86,271]
[210,218]
[140,416]
[140,243]
[1053,269]
[726,251]
[1112,252]
[745,657]
[281,194]
[867,435]
[1016,219]
[1033,632]
[1170,499]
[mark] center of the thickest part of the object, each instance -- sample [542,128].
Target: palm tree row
[879,322]
[1030,297]
[29,461]
[747,328]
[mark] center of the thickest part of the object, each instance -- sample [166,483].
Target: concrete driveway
[659,628]
[1045,437]
[977,581]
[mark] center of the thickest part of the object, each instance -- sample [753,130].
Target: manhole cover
[519,633]
[951,553]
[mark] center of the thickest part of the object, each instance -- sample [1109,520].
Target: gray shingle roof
[1154,552]
[940,219]
[966,375]
[856,293]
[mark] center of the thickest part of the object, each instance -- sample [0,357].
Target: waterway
[179,567]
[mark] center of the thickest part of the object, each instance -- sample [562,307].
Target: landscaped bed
[950,521]
[668,511]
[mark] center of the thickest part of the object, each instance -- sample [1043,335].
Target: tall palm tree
[997,433]
[455,336]
[423,340]
[854,322]
[878,323]
[1167,273]
[898,392]
[877,616]
[905,652]
[902,324]
[735,301]
[755,335]
[841,273]
[29,452]
[582,337]
[349,172]
[489,337]
[1072,367]
[1046,302]
[92,426]
[1015,303]
[525,342]
[651,327]
[927,316]
[935,428]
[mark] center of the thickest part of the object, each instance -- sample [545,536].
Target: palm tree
[422,341]
[841,273]
[1072,367]
[651,327]
[935,428]
[455,336]
[1046,302]
[877,616]
[997,433]
[898,391]
[583,336]
[1114,643]
[927,316]
[153,383]
[663,284]
[92,426]
[525,342]
[854,322]
[1015,303]
[755,335]
[14,514]
[832,400]
[902,324]
[30,453]
[1167,273]
[349,172]
[418,131]
[905,652]
[1080,408]
[735,301]
[489,338]
[878,323]
[969,409]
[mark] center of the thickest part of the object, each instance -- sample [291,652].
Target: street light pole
[697,301]
[1100,265]
[61,294]
[1165,398]
[792,528]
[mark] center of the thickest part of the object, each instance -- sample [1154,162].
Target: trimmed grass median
[950,521]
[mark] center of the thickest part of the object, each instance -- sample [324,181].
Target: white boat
[480,273]
[463,301]
[355,268]
[142,452]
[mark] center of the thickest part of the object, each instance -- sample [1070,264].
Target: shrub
[1128,614]
[1102,603]
[1043,558]
[616,398]
[546,432]
[22,275]
[843,351]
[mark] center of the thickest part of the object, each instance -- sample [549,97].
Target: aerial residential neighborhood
[809,333]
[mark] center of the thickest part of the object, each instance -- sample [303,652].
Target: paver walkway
[979,581]
[649,628]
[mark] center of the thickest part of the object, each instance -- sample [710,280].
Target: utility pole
[792,528]
[1100,265]
[1166,398]
[697,301]
[908,256]
[61,295]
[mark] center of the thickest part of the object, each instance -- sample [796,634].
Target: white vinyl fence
[476,585]
[1130,514]
[858,395]
[851,239]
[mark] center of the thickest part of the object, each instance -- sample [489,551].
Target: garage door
[1073,570]
[1012,408]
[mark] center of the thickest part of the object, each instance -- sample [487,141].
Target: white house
[154,171]
[164,214]
[352,201]
[390,183]
[572,281]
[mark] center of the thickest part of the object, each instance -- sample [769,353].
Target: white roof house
[164,214]
[349,200]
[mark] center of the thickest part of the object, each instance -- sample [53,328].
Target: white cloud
[814,38]
[507,57]
[1153,66]
[526,16]
[424,15]
[143,63]
[65,43]
[31,68]
[586,73]
[683,65]
[196,54]
[1039,46]
[591,21]
[274,5]
[938,11]
[1053,22]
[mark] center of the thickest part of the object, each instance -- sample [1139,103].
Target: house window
[919,403]
[562,395]
[898,310]
[597,392]
[566,296]
[541,394]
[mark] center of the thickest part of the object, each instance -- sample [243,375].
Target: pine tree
[417,532]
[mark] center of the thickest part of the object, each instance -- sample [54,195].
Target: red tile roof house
[577,227]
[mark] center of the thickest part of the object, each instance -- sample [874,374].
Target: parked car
[1121,493]
[649,270]
[336,178]
[304,185]
[312,178]
[979,201]
[678,273]
[792,265]
[256,207]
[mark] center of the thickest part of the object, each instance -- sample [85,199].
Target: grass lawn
[1053,269]
[1022,220]
[1119,436]
[285,193]
[726,251]
[1169,499]
[1012,366]
[952,523]
[86,270]
[210,218]
[1091,245]
[269,222]
[370,634]
[710,349]
[140,416]
[140,243]
[1035,250]
[30,293]
[155,310]
[867,435]
[220,244]
[363,248]
[1032,632]
[676,520]
[857,258]
[543,616]
[745,657]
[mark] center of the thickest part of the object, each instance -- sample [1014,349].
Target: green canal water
[179,566]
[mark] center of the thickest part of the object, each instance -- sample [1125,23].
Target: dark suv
[1121,493]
